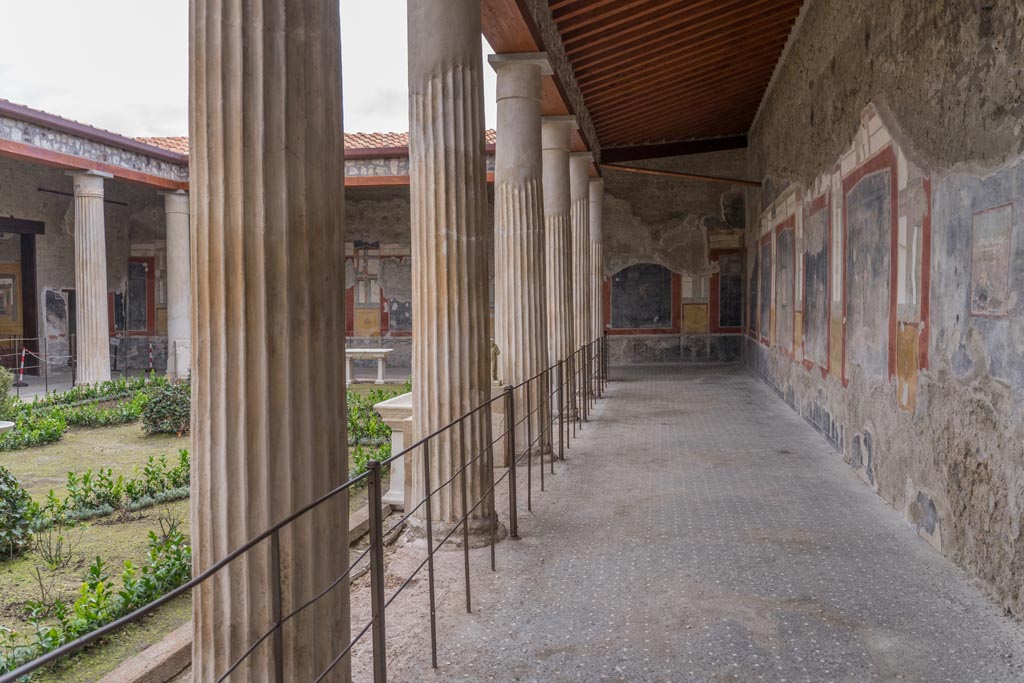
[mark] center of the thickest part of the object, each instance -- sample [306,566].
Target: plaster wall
[676,224]
[137,229]
[897,127]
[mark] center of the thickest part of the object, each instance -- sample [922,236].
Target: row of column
[268,277]
[91,315]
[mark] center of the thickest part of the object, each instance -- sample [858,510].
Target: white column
[268,410]
[92,324]
[597,256]
[579,193]
[179,289]
[520,320]
[448,197]
[555,134]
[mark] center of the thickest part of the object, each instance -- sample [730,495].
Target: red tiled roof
[171,144]
[352,141]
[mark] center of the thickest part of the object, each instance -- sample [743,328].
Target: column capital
[556,131]
[88,183]
[582,155]
[175,201]
[539,59]
[596,188]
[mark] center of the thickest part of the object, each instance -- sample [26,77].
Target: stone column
[579,193]
[179,297]
[92,332]
[555,133]
[597,257]
[268,341]
[448,198]
[520,315]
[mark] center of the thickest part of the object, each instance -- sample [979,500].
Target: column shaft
[558,238]
[520,320]
[579,189]
[597,257]
[448,198]
[179,298]
[92,324]
[268,408]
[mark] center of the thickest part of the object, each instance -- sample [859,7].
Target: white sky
[123,64]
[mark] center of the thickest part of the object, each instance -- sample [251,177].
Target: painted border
[822,202]
[884,159]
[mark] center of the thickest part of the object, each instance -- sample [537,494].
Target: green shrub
[100,601]
[32,429]
[17,512]
[168,408]
[8,403]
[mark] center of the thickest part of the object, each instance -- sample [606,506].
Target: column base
[479,533]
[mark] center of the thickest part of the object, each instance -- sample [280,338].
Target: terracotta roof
[171,144]
[367,141]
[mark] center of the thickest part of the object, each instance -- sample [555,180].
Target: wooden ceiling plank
[586,14]
[716,127]
[680,109]
[662,125]
[766,31]
[723,64]
[666,33]
[581,8]
[672,149]
[694,87]
[615,27]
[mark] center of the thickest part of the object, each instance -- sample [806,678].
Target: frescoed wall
[903,342]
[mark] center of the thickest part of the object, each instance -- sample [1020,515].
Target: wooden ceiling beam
[767,29]
[679,111]
[667,31]
[589,13]
[580,8]
[720,127]
[672,149]
[636,21]
[722,67]
[668,124]
[709,121]
[688,90]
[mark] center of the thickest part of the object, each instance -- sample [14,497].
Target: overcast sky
[123,64]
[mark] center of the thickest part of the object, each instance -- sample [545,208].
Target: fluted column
[179,297]
[579,193]
[268,408]
[555,133]
[520,315]
[447,190]
[92,333]
[597,257]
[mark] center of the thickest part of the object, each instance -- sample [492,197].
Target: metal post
[465,511]
[490,494]
[560,396]
[604,360]
[529,454]
[380,662]
[430,553]
[547,417]
[73,352]
[510,454]
[540,437]
[46,368]
[275,587]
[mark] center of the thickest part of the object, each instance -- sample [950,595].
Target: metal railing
[569,389]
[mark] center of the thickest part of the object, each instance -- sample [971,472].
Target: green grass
[45,467]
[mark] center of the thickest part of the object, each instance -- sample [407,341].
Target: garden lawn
[121,448]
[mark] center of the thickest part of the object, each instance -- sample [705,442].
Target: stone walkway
[701,531]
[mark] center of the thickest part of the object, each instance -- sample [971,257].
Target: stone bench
[378,355]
